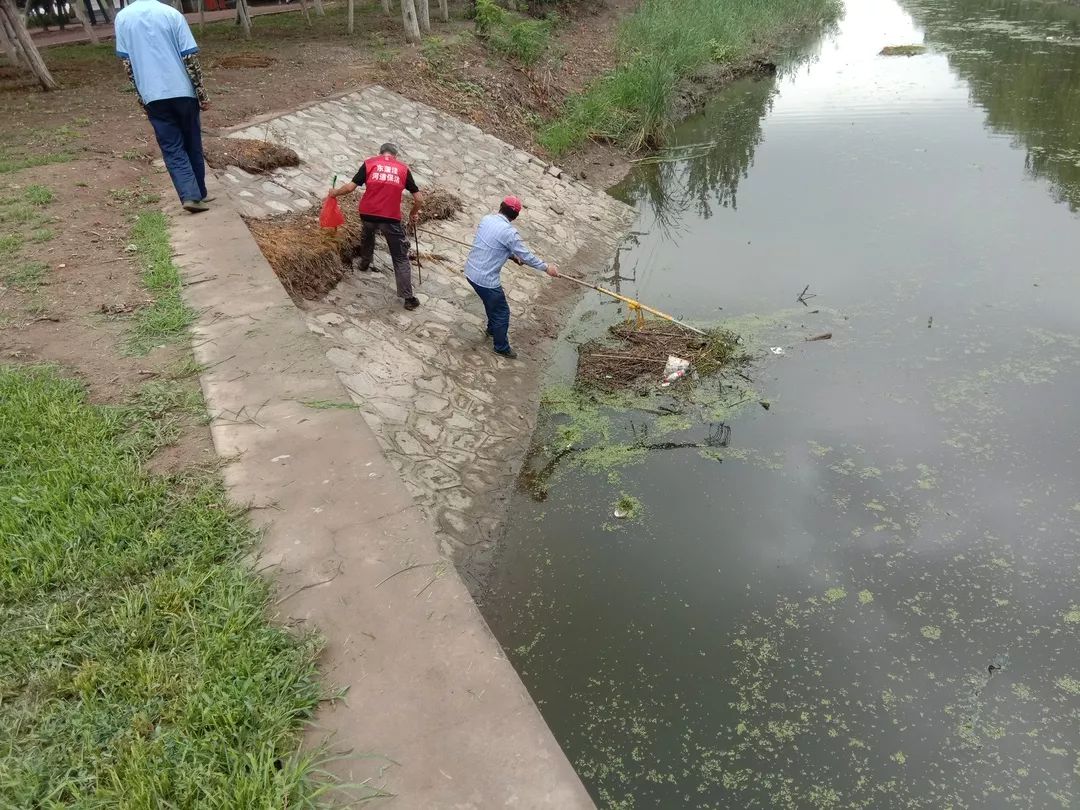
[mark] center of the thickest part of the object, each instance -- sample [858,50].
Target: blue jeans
[498,314]
[179,134]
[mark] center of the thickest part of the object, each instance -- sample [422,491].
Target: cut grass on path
[660,45]
[137,665]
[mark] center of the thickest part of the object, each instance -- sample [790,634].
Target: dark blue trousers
[498,314]
[179,134]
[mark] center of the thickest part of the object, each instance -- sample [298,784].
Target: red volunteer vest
[384,184]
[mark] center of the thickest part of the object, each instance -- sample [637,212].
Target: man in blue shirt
[496,241]
[162,63]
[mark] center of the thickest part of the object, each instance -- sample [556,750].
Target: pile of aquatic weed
[308,260]
[137,666]
[249,154]
[635,355]
[438,204]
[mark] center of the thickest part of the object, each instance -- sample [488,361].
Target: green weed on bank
[661,44]
[137,667]
[523,40]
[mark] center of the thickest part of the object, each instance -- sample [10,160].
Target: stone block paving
[453,418]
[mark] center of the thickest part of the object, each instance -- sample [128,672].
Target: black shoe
[412,303]
[489,333]
[508,353]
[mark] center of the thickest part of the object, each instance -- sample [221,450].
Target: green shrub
[488,17]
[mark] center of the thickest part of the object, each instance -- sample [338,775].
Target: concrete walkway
[434,713]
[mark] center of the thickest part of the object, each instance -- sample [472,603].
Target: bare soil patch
[245,60]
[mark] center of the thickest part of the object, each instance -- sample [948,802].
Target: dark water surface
[871,596]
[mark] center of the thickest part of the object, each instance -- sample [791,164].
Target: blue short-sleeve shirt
[155,38]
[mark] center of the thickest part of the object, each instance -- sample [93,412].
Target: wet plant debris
[635,355]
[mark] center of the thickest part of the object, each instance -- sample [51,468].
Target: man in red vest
[385,179]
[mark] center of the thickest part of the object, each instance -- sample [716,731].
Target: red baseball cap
[513,203]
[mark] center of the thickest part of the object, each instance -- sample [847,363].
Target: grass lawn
[137,666]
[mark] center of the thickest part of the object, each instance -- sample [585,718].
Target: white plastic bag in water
[675,368]
[676,364]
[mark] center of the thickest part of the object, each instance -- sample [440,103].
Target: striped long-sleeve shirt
[496,241]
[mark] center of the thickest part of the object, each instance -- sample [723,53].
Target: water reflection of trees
[1023,66]
[700,174]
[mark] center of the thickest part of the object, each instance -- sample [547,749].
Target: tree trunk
[80,15]
[412,25]
[307,17]
[319,9]
[444,10]
[22,41]
[386,6]
[202,15]
[243,17]
[7,41]
[108,9]
[352,3]
[423,11]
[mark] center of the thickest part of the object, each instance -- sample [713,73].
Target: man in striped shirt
[496,241]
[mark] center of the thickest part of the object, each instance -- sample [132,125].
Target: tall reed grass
[661,44]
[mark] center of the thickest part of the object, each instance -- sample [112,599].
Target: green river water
[868,594]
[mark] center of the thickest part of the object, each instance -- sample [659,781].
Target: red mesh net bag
[331,216]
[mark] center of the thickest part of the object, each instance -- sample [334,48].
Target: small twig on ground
[404,570]
[429,584]
[198,281]
[309,585]
[628,357]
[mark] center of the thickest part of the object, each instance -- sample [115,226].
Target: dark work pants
[498,314]
[179,134]
[398,245]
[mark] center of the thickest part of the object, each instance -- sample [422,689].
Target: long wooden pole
[634,305]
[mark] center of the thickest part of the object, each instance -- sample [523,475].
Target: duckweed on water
[931,632]
[1069,684]
[628,507]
